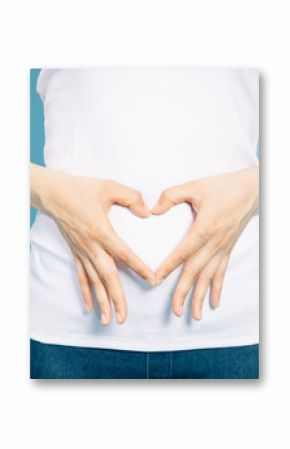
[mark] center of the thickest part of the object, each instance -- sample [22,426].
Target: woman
[147,223]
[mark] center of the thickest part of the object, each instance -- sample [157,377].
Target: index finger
[115,246]
[192,242]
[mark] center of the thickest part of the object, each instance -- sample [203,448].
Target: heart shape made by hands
[152,238]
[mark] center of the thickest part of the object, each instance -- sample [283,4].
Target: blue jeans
[48,361]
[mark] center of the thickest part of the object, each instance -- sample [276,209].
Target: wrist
[256,189]
[253,184]
[43,186]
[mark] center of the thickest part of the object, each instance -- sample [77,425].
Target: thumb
[138,206]
[131,198]
[169,198]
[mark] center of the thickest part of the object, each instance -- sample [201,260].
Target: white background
[153,414]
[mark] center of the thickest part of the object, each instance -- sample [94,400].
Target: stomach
[57,312]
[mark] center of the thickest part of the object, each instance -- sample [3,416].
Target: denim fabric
[49,361]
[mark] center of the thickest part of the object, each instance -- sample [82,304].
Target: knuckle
[203,232]
[187,270]
[87,230]
[204,277]
[218,279]
[101,233]
[218,243]
[108,277]
[183,256]
[95,259]
[101,300]
[93,232]
[94,278]
[194,275]
[191,272]
[123,256]
[209,227]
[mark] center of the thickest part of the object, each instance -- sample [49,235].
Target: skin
[80,208]
[223,205]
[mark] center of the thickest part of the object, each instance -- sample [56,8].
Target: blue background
[36,127]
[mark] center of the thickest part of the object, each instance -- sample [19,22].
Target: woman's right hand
[80,207]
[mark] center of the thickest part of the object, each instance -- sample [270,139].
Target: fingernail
[158,281]
[179,310]
[198,315]
[147,210]
[104,318]
[151,279]
[119,318]
[215,302]
[88,307]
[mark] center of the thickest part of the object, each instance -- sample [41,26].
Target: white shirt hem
[144,346]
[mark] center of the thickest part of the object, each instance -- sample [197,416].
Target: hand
[223,205]
[80,207]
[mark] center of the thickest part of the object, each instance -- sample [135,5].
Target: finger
[200,291]
[131,198]
[109,276]
[181,292]
[84,284]
[202,286]
[115,246]
[191,243]
[190,274]
[217,282]
[100,291]
[170,197]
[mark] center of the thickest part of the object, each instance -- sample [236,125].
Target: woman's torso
[150,129]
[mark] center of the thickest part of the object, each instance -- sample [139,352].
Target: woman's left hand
[223,204]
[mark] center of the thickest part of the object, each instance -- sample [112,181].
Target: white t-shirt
[149,128]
